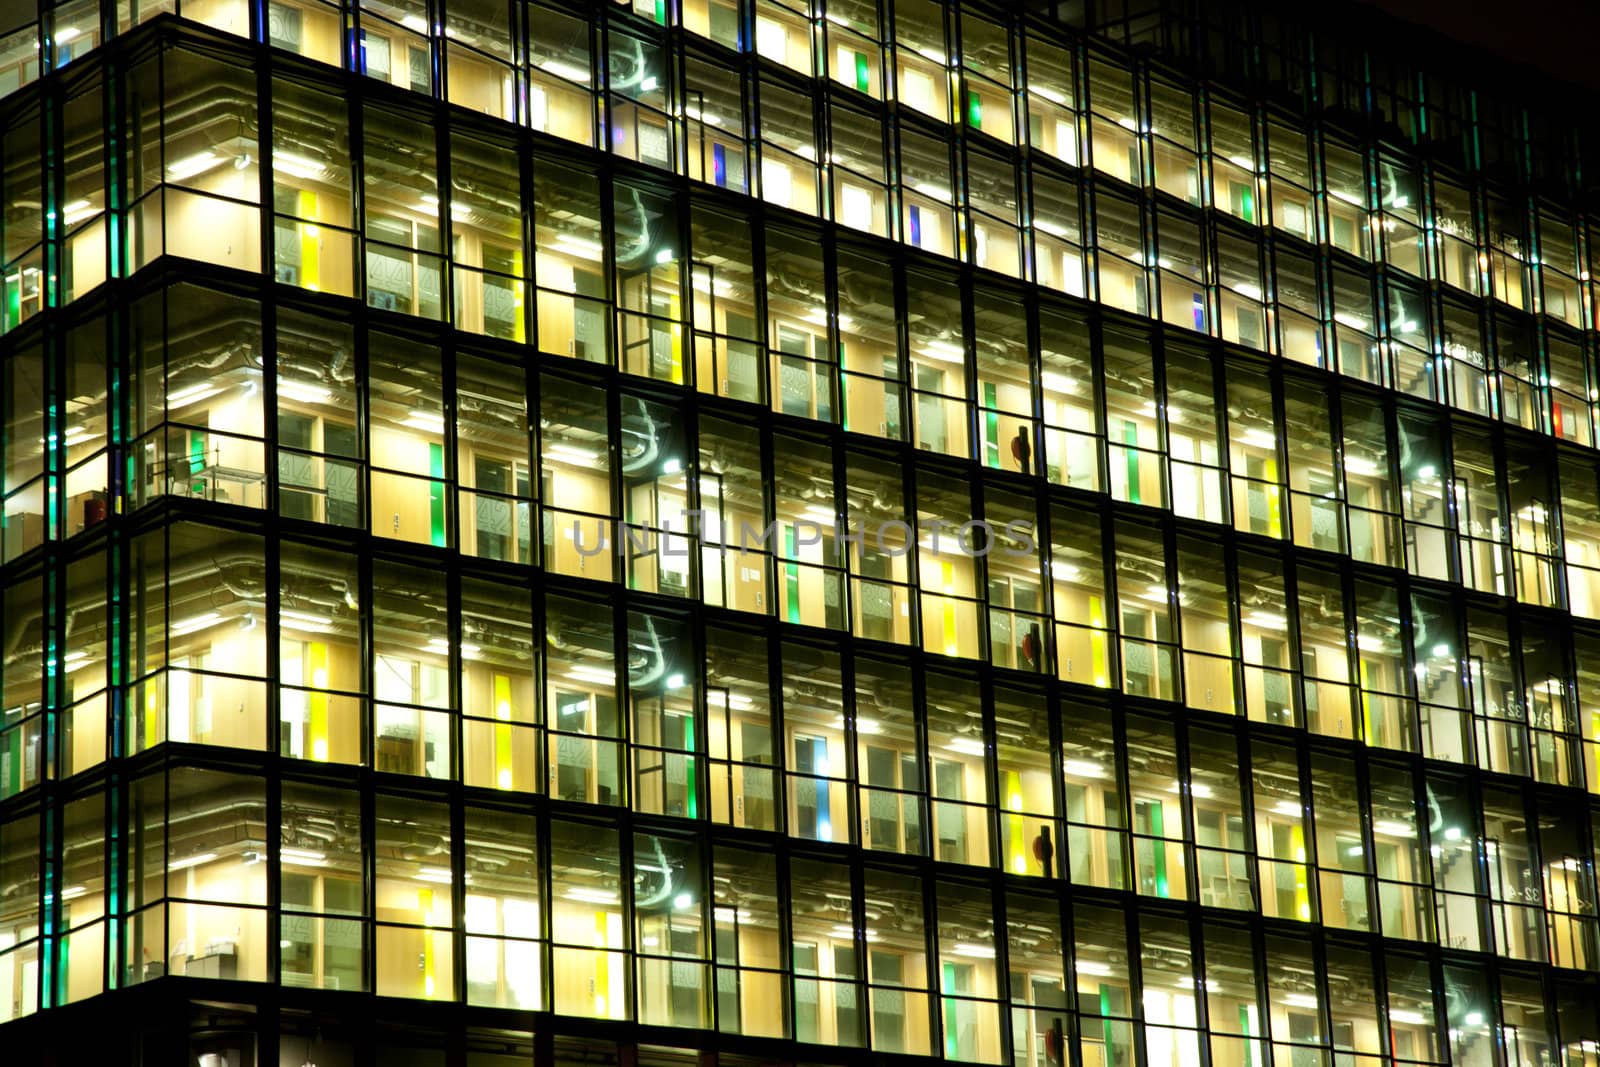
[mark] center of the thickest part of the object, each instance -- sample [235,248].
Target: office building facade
[756,531]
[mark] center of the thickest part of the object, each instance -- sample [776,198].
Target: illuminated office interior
[779,532]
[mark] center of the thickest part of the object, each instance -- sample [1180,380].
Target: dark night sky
[1559,37]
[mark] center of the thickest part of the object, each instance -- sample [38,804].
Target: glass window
[1145,596]
[856,152]
[798,317]
[560,72]
[727,325]
[992,198]
[1040,1013]
[200,660]
[850,38]
[486,213]
[1289,181]
[498,667]
[1159,862]
[1084,636]
[411,661]
[585,751]
[1194,455]
[1347,225]
[20,869]
[322,936]
[733,511]
[1172,129]
[480,53]
[1104,989]
[1235,185]
[1029,836]
[880,564]
[750,959]
[1115,122]
[320,663]
[81,899]
[986,62]
[406,428]
[889,760]
[649,280]
[788,144]
[588,926]
[810,581]
[814,749]
[958,770]
[897,963]
[208,188]
[1052,122]
[638,125]
[394,44]
[715,125]
[783,33]
[1097,826]
[663,681]
[969,1006]
[87,423]
[86,651]
[1133,424]
[1057,234]
[1206,612]
[1387,706]
[1072,433]
[320,476]
[1232,985]
[213,826]
[313,239]
[937,343]
[825,952]
[1280,832]
[1398,855]
[199,397]
[669,911]
[493,461]
[1270,678]
[22,672]
[569,264]
[922,58]
[575,485]
[740,730]
[1221,833]
[1167,969]
[22,408]
[1121,259]
[401,217]
[502,912]
[1015,581]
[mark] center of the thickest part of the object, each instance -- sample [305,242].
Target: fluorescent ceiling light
[76,211]
[592,896]
[190,166]
[190,625]
[303,392]
[192,394]
[571,453]
[570,71]
[299,166]
[191,861]
[425,420]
